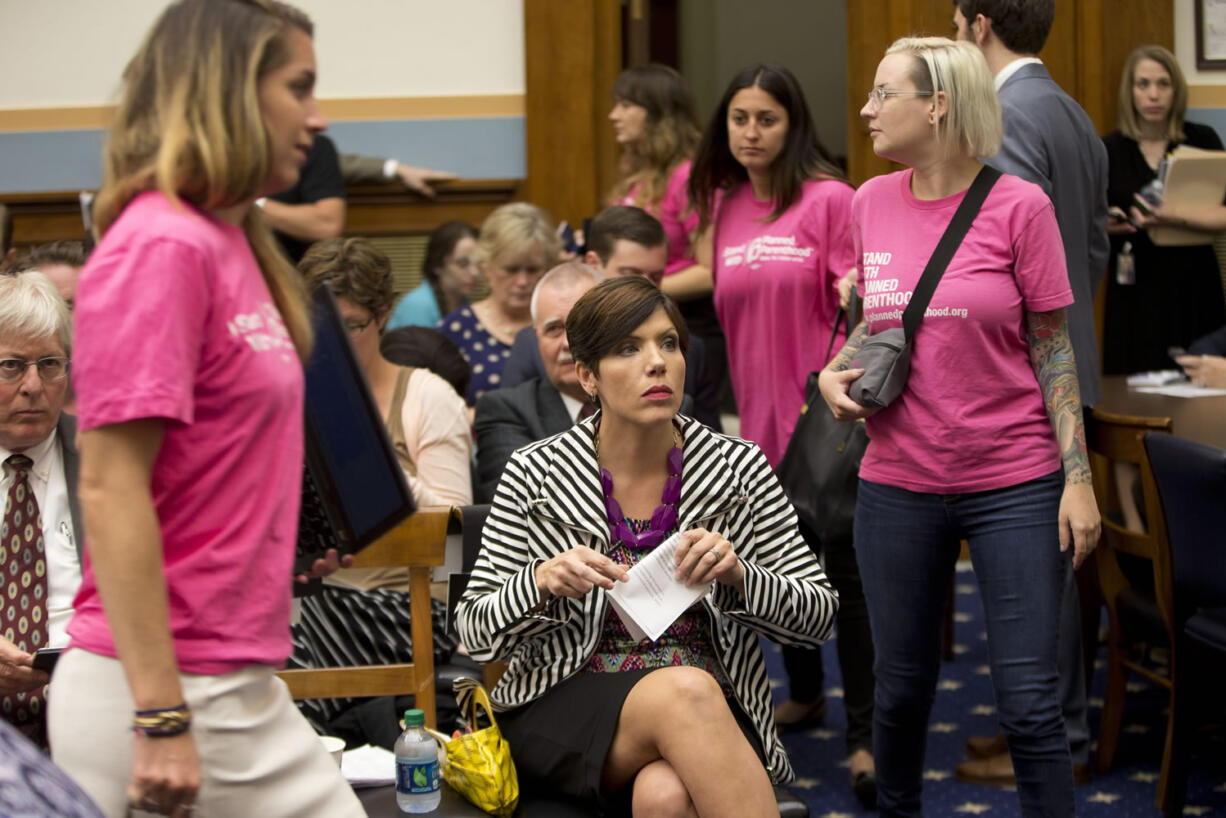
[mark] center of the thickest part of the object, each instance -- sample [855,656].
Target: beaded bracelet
[163,722]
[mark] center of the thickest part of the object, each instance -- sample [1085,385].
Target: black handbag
[821,466]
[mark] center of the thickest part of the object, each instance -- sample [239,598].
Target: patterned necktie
[23,600]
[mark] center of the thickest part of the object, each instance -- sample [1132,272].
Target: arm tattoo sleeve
[1051,355]
[843,359]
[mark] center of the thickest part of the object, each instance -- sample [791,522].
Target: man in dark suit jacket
[1050,141]
[511,417]
[623,241]
[38,478]
[508,418]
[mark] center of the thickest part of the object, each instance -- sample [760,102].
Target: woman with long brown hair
[190,330]
[655,124]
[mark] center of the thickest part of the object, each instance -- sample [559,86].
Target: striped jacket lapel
[569,491]
[709,484]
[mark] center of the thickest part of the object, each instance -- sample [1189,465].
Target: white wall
[71,52]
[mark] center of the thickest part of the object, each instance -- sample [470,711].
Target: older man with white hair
[539,407]
[40,544]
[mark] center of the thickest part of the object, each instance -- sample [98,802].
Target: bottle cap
[414,718]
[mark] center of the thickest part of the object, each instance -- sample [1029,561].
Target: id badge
[1125,266]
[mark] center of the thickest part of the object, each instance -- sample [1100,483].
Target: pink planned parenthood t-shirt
[971,417]
[675,214]
[174,321]
[776,296]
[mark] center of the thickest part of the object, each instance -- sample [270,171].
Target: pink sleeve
[679,219]
[1039,266]
[140,318]
[857,240]
[841,252]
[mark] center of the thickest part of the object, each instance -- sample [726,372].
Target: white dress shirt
[1009,70]
[63,568]
[573,407]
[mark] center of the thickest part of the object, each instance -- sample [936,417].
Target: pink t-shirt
[971,417]
[674,212]
[776,296]
[173,321]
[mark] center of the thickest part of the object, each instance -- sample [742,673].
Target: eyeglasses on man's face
[49,369]
[878,96]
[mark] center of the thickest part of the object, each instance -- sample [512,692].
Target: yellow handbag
[478,764]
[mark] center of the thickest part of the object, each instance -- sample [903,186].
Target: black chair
[1191,480]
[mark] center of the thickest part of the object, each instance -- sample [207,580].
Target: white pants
[258,756]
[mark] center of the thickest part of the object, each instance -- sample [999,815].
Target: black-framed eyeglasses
[356,329]
[49,369]
[878,96]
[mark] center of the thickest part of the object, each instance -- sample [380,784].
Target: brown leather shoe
[793,715]
[997,771]
[986,746]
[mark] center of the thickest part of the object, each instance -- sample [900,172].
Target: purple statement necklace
[663,519]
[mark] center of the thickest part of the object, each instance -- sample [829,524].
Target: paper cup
[335,747]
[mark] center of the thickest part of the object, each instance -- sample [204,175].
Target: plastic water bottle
[417,777]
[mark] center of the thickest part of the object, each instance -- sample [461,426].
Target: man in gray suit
[38,482]
[1048,140]
[506,419]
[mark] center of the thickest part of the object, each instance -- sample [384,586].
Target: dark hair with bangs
[611,311]
[802,157]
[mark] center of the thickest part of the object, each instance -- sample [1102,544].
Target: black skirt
[560,741]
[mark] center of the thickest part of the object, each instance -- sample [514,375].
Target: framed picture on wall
[1210,34]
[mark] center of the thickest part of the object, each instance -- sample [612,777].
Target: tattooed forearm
[1051,355]
[843,359]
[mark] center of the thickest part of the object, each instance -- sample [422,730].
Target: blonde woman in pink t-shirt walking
[985,443]
[191,327]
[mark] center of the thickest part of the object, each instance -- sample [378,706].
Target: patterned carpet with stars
[964,707]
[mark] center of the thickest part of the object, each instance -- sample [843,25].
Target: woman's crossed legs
[679,746]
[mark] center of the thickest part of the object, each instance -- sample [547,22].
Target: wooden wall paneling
[1061,53]
[373,210]
[572,53]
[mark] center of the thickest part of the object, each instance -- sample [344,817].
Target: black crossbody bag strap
[946,247]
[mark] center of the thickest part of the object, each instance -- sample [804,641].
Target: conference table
[1199,419]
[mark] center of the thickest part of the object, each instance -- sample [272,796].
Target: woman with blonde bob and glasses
[515,247]
[675,726]
[191,328]
[985,443]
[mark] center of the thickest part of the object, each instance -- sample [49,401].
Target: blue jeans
[907,544]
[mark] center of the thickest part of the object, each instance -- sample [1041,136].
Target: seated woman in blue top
[680,725]
[449,276]
[516,246]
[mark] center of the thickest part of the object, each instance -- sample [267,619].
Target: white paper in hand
[652,598]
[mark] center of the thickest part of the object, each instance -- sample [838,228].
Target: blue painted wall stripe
[476,148]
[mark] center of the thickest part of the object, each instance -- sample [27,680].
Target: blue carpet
[964,707]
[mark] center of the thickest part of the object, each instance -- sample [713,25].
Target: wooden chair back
[418,543]
[1114,441]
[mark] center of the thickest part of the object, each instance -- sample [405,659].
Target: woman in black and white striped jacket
[679,725]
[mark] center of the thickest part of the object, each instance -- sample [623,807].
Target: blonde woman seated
[362,617]
[681,725]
